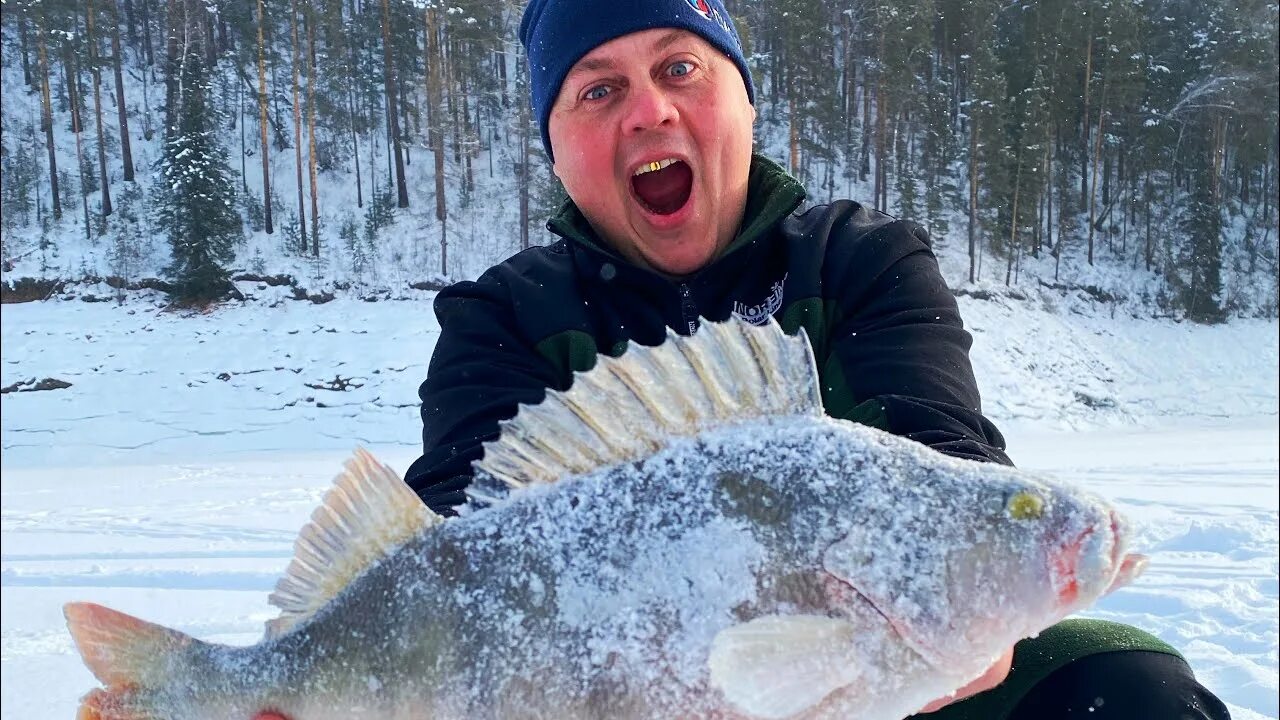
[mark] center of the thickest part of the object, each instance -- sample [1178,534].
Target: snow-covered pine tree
[1199,264]
[197,200]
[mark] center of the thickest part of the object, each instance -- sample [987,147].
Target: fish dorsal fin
[627,408]
[367,513]
[777,666]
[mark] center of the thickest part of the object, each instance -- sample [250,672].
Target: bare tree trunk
[1037,230]
[262,121]
[435,129]
[794,135]
[311,133]
[865,165]
[848,70]
[881,192]
[389,80]
[1108,200]
[524,175]
[72,75]
[355,144]
[467,136]
[46,114]
[407,139]
[1147,245]
[28,78]
[244,168]
[351,111]
[117,61]
[450,95]
[1084,146]
[148,131]
[210,43]
[882,162]
[1218,156]
[1093,194]
[128,12]
[295,63]
[1124,227]
[1013,222]
[1048,192]
[92,38]
[148,56]
[170,76]
[973,198]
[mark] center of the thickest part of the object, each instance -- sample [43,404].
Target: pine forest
[1128,147]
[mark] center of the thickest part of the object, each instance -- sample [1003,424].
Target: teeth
[656,166]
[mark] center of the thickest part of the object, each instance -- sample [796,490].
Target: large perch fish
[687,535]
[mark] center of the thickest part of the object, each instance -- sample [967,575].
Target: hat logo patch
[702,8]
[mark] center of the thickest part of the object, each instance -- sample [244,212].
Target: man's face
[639,102]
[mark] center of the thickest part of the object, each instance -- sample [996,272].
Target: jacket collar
[772,194]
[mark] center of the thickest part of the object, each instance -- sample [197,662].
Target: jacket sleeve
[899,354]
[481,370]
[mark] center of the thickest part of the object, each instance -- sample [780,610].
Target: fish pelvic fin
[124,653]
[779,665]
[367,514]
[629,407]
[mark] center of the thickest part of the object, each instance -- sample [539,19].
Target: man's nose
[649,107]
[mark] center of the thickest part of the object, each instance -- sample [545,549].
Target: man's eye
[597,92]
[680,69]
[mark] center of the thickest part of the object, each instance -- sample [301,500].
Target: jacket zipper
[688,310]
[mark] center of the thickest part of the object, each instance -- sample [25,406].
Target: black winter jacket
[890,347]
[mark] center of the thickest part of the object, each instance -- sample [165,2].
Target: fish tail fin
[126,654]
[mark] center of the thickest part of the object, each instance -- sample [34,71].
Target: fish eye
[1025,505]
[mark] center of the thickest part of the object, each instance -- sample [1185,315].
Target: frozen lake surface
[170,479]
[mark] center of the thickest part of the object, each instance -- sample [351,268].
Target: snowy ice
[170,480]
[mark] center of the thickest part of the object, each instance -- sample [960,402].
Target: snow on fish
[685,534]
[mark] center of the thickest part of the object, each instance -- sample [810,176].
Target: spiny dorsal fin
[121,650]
[626,408]
[367,513]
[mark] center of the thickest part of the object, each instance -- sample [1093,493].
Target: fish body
[733,554]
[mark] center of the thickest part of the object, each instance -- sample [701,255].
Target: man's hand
[989,679]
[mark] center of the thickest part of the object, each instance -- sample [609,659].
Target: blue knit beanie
[557,33]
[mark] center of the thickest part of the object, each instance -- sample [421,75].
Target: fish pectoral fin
[367,513]
[779,665]
[121,650]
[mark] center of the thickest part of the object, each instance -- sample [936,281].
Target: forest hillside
[1121,151]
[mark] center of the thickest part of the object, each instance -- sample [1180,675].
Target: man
[646,109]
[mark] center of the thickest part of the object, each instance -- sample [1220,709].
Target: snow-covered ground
[169,479]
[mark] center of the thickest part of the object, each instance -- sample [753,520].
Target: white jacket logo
[760,314]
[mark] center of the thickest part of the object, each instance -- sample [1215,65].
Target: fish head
[963,570]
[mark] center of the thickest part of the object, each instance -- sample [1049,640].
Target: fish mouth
[1075,572]
[1125,566]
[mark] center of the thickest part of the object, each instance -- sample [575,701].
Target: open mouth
[663,187]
